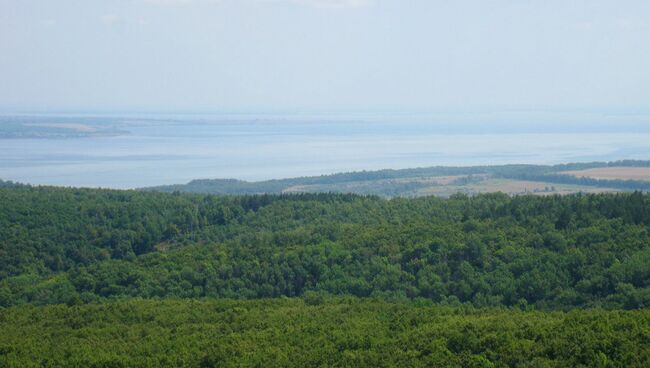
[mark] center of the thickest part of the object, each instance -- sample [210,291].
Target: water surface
[179,149]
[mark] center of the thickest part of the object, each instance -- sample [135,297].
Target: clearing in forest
[613,173]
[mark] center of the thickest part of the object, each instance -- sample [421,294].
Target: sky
[324,55]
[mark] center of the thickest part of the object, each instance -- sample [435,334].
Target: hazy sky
[323,55]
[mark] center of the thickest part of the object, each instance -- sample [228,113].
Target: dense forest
[107,278]
[86,245]
[338,332]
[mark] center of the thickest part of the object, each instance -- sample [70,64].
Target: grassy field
[445,186]
[611,173]
[445,181]
[410,185]
[513,187]
[312,332]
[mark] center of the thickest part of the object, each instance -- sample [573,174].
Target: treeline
[8,184]
[83,245]
[341,332]
[336,182]
[594,165]
[640,185]
[238,187]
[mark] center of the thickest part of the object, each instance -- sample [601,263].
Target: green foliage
[103,278]
[339,332]
[62,245]
[559,178]
[384,183]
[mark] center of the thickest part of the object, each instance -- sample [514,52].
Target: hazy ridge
[422,181]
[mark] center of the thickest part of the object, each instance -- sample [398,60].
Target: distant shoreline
[442,181]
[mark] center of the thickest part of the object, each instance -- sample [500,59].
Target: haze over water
[177,149]
[463,82]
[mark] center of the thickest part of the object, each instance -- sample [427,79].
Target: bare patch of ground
[445,186]
[512,187]
[612,173]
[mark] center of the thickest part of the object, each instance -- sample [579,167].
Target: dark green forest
[86,245]
[109,278]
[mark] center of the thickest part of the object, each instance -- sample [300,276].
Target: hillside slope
[441,180]
[82,245]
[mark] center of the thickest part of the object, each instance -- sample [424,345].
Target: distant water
[179,149]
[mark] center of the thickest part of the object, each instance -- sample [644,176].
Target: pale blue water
[179,149]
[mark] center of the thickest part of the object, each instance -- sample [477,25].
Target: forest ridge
[115,278]
[444,181]
[60,245]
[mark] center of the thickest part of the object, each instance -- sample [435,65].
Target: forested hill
[62,245]
[439,180]
[8,184]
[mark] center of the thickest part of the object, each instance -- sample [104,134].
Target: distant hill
[43,127]
[9,184]
[438,180]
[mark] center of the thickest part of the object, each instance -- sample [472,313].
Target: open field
[513,187]
[354,185]
[441,181]
[613,173]
[444,186]
[404,186]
